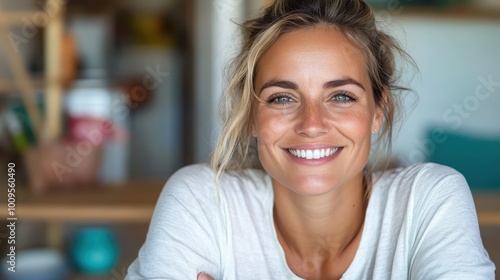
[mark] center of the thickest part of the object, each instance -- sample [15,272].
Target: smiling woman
[290,194]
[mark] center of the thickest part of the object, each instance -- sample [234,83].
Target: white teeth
[313,154]
[316,154]
[309,154]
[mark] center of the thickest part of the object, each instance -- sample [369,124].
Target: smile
[313,154]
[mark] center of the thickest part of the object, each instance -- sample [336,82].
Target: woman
[290,194]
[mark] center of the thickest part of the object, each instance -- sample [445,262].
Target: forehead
[319,50]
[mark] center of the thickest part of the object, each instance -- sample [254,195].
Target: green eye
[280,99]
[343,98]
[283,99]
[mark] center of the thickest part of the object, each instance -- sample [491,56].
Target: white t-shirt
[420,224]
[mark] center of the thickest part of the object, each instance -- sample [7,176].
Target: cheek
[355,125]
[269,129]
[270,126]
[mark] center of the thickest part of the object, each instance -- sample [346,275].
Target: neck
[329,223]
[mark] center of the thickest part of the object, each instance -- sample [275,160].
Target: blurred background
[101,101]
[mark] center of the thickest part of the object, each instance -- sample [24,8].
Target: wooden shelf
[131,202]
[135,201]
[18,18]
[488,208]
[9,86]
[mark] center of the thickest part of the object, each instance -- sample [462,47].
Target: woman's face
[316,112]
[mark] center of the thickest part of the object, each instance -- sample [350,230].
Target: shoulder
[420,171]
[201,175]
[198,181]
[426,187]
[188,182]
[435,211]
[423,177]
[423,185]
[192,174]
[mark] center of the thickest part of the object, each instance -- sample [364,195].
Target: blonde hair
[236,147]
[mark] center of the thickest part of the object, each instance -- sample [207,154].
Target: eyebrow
[281,84]
[343,82]
[327,85]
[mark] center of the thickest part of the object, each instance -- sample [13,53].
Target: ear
[254,131]
[378,118]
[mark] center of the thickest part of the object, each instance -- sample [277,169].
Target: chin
[313,185]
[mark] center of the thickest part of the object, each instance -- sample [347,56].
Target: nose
[312,121]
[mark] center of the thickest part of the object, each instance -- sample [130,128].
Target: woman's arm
[183,237]
[447,241]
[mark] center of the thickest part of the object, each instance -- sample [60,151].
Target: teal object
[477,158]
[17,107]
[94,250]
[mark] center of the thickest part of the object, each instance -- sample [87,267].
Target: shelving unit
[126,207]
[53,29]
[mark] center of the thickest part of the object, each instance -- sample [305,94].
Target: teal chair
[477,158]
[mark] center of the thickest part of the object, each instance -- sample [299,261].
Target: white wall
[216,41]
[454,57]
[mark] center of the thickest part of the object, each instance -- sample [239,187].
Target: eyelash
[350,98]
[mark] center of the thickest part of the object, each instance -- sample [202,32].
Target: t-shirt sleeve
[447,240]
[183,235]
